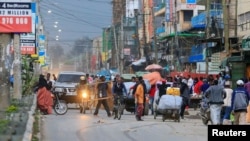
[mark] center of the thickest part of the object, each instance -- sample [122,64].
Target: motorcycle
[205,111]
[60,106]
[85,99]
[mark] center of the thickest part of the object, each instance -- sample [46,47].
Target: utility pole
[17,68]
[122,45]
[175,29]
[136,33]
[207,32]
[155,44]
[235,22]
[144,31]
[116,51]
[225,5]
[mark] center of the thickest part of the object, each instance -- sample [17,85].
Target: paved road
[85,127]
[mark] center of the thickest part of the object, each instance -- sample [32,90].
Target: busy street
[124,70]
[87,127]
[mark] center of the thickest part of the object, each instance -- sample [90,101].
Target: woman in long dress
[44,96]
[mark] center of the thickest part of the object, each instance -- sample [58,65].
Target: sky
[69,20]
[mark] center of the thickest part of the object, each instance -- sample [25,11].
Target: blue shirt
[11,78]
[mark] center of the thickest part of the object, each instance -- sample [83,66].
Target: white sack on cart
[170,102]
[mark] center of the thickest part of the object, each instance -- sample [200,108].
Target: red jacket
[197,87]
[152,91]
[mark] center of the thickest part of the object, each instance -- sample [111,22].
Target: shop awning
[180,35]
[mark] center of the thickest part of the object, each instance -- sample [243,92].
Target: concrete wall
[243,7]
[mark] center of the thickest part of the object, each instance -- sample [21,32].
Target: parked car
[66,85]
[130,100]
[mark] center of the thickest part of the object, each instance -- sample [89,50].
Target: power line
[79,19]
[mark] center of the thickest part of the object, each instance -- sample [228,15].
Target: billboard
[169,11]
[28,40]
[131,5]
[15,17]
[190,1]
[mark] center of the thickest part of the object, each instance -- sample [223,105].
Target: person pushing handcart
[169,104]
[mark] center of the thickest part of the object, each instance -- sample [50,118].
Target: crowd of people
[222,100]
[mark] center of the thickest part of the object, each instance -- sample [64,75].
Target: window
[187,15]
[73,78]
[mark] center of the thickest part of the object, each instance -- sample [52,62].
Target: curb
[29,126]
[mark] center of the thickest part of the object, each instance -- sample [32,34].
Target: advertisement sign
[41,42]
[41,56]
[169,10]
[131,5]
[190,4]
[28,40]
[190,1]
[15,17]
[27,46]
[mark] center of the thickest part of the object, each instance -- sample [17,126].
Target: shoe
[182,117]
[95,115]
[109,115]
[137,117]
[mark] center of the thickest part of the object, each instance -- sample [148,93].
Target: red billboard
[15,17]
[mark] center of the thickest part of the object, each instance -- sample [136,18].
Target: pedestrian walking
[215,95]
[184,93]
[226,109]
[151,97]
[102,88]
[139,96]
[240,101]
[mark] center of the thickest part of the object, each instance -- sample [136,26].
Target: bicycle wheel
[115,112]
[119,111]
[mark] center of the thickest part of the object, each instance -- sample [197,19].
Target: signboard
[131,5]
[41,43]
[190,6]
[190,1]
[28,46]
[28,40]
[169,10]
[15,17]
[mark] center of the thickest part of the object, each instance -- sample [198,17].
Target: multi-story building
[173,43]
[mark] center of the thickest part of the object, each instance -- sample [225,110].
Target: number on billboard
[4,5]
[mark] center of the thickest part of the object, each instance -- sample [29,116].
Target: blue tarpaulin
[200,20]
[105,73]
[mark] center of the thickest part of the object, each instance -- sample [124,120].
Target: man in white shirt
[190,81]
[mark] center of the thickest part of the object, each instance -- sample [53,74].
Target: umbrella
[154,67]
[153,77]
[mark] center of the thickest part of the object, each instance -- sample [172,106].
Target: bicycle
[118,110]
